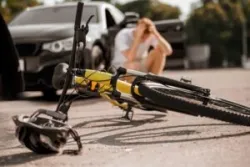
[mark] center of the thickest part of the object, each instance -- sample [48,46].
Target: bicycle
[146,92]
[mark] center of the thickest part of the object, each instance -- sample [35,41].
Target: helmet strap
[77,139]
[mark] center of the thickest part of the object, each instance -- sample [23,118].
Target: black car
[43,37]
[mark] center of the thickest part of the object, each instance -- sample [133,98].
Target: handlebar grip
[78,17]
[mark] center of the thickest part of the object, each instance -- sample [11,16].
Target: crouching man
[132,48]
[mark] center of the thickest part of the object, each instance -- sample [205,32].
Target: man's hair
[144,21]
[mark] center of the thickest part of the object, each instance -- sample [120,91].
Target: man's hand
[151,26]
[152,29]
[140,31]
[147,21]
[163,45]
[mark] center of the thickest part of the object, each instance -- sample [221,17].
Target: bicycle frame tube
[103,78]
[171,82]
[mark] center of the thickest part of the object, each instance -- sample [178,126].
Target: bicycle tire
[155,92]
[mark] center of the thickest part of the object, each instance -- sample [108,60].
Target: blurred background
[217,23]
[203,33]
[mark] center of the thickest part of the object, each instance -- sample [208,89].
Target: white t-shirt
[124,40]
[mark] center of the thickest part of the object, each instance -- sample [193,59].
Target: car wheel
[49,94]
[84,59]
[204,65]
[186,64]
[98,57]
[196,65]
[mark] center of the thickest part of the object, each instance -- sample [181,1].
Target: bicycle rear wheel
[188,102]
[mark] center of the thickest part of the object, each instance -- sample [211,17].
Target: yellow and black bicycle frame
[103,81]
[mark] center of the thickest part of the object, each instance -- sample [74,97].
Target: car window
[117,14]
[109,18]
[60,14]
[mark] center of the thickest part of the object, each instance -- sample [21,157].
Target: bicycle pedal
[186,80]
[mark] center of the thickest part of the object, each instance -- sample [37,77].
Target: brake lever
[83,31]
[87,23]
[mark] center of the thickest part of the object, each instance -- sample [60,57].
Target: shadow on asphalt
[11,148]
[146,136]
[128,138]
[180,133]
[117,122]
[20,158]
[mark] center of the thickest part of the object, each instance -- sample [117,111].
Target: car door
[113,17]
[173,31]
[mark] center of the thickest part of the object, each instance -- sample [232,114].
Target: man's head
[145,24]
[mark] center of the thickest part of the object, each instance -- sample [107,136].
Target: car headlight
[62,45]
[59,46]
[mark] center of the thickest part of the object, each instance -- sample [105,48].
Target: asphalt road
[151,139]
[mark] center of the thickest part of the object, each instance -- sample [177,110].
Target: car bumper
[39,80]
[38,70]
[175,63]
[37,63]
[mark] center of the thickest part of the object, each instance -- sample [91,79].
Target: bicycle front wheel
[187,103]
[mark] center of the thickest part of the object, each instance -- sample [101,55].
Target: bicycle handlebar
[67,82]
[78,15]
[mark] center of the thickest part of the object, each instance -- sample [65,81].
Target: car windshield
[51,15]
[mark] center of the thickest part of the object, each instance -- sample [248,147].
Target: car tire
[84,59]
[196,65]
[49,94]
[204,65]
[186,64]
[98,57]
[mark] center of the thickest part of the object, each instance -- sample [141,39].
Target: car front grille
[29,49]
